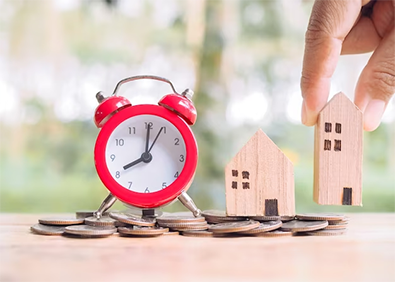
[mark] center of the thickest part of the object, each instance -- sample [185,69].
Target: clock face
[141,164]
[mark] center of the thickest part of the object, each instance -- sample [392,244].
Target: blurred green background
[243,59]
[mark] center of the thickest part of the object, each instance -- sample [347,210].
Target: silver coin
[181,224]
[230,227]
[327,232]
[302,226]
[142,231]
[191,227]
[181,217]
[61,221]
[47,229]
[275,233]
[320,216]
[132,219]
[91,231]
[263,227]
[221,215]
[197,233]
[104,221]
[265,218]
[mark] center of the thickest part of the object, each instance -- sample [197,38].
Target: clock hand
[156,137]
[147,137]
[139,160]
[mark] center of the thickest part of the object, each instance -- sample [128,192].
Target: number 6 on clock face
[146,155]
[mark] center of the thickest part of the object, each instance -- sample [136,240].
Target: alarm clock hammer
[146,184]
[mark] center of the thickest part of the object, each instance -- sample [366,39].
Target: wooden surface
[336,167]
[259,177]
[365,253]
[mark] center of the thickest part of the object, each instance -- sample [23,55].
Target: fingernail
[373,114]
[303,113]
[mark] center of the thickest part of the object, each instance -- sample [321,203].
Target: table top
[365,253]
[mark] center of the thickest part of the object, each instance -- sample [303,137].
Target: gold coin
[142,231]
[230,227]
[61,221]
[197,233]
[47,229]
[302,226]
[132,219]
[320,216]
[263,227]
[104,221]
[275,233]
[327,232]
[91,231]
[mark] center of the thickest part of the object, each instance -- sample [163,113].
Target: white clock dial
[141,169]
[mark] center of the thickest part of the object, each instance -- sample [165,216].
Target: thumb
[376,84]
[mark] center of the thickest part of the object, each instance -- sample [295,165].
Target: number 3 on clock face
[146,155]
[127,145]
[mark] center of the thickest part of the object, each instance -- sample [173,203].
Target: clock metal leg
[186,200]
[106,204]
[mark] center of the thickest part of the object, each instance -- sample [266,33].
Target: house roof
[341,99]
[260,145]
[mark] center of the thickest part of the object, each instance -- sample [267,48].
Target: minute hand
[156,137]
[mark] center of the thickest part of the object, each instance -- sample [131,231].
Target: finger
[329,24]
[376,84]
[362,38]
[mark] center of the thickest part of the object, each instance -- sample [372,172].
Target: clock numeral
[181,158]
[164,185]
[147,190]
[177,141]
[150,124]
[176,174]
[112,157]
[132,130]
[119,142]
[130,184]
[164,129]
[117,175]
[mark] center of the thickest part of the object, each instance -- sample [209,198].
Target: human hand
[339,27]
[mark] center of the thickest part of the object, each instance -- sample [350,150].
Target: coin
[142,231]
[61,221]
[91,231]
[87,213]
[47,229]
[339,222]
[275,233]
[336,226]
[229,227]
[132,219]
[171,233]
[320,216]
[181,224]
[220,215]
[285,218]
[265,218]
[104,221]
[121,224]
[327,232]
[191,227]
[197,233]
[179,217]
[263,227]
[301,226]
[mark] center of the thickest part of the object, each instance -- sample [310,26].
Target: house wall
[334,170]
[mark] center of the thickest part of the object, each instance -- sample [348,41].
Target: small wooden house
[260,180]
[338,153]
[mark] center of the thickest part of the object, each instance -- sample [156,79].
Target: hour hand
[139,160]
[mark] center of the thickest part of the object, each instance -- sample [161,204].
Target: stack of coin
[182,221]
[337,223]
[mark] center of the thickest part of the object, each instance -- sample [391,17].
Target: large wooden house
[338,153]
[260,180]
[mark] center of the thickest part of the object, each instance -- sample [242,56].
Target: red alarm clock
[146,155]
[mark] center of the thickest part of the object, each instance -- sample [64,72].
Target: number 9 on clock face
[145,153]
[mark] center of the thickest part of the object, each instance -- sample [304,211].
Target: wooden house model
[260,180]
[338,153]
